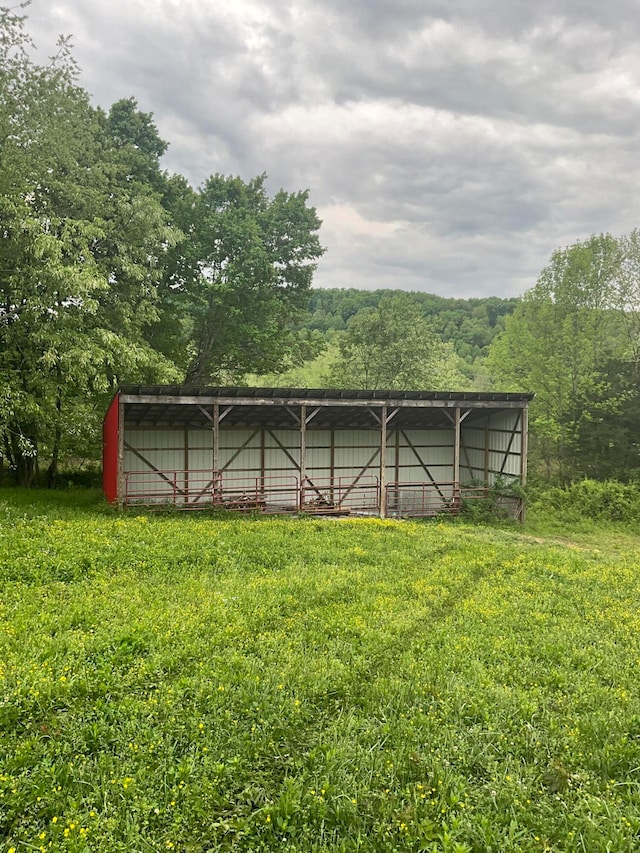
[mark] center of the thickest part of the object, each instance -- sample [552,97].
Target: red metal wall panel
[110,451]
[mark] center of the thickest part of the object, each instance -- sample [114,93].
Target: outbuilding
[387,453]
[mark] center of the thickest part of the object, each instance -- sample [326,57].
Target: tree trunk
[23,459]
[25,469]
[52,470]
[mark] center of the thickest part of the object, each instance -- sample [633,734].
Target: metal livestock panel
[148,453]
[422,499]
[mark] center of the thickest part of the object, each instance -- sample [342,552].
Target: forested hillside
[393,339]
[469,324]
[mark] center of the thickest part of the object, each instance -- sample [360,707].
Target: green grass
[202,684]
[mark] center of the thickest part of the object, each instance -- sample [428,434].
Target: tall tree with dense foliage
[393,346]
[566,341]
[626,297]
[239,280]
[81,240]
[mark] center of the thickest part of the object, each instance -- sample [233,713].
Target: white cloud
[449,147]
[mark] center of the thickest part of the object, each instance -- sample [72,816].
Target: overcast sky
[449,145]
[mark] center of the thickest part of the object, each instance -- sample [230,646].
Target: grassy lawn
[201,684]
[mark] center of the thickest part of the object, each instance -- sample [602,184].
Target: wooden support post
[456,457]
[332,466]
[524,450]
[487,433]
[524,445]
[186,466]
[303,452]
[262,459]
[216,450]
[383,463]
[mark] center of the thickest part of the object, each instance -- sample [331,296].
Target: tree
[626,297]
[393,346]
[239,280]
[560,343]
[81,245]
[608,443]
[44,277]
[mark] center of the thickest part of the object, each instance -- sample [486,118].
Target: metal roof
[326,394]
[184,406]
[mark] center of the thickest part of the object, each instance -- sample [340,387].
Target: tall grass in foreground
[202,684]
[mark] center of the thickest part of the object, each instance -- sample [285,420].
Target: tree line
[114,270]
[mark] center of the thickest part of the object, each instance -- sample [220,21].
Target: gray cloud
[448,146]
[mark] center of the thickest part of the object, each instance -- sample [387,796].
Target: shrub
[609,500]
[499,501]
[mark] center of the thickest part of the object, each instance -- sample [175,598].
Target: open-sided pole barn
[388,453]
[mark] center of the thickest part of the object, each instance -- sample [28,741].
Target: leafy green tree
[47,271]
[134,135]
[560,343]
[608,440]
[81,245]
[393,346]
[239,280]
[626,298]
